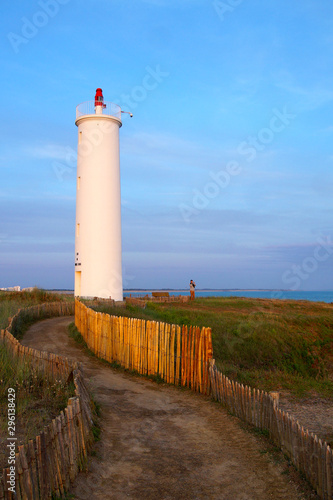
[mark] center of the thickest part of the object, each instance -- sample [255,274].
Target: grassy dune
[37,399]
[269,344]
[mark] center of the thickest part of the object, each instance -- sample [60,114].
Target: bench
[160,294]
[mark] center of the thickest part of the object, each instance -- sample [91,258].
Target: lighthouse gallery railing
[88,108]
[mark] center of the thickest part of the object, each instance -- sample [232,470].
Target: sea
[313,296]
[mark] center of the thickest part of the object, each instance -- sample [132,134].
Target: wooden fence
[40,311]
[48,464]
[260,409]
[53,366]
[179,355]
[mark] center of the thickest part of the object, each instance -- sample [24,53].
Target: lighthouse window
[78,182]
[77,229]
[80,137]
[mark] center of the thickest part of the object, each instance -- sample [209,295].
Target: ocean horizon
[313,296]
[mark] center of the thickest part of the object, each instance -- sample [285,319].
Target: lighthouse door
[78,283]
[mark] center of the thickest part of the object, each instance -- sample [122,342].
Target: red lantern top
[99,99]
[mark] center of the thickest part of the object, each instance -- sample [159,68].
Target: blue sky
[226,166]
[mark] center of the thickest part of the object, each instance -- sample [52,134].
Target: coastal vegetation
[263,343]
[11,302]
[37,399]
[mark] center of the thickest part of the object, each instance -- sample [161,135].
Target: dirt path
[160,442]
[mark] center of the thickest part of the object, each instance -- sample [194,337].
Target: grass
[37,399]
[11,302]
[263,343]
[76,335]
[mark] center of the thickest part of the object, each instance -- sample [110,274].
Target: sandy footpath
[160,442]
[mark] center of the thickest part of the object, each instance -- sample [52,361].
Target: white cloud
[309,99]
[50,151]
[140,142]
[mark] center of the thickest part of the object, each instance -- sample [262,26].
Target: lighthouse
[98,271]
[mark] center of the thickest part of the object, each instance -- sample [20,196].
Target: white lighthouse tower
[98,222]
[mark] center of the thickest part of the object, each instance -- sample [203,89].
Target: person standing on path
[192,289]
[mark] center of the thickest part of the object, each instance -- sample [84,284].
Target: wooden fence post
[178,355]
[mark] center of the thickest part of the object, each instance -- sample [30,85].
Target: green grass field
[268,344]
[11,302]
